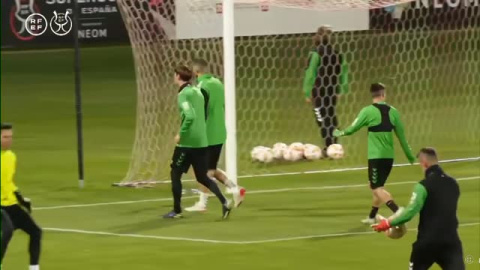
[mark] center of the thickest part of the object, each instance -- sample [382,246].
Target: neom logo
[448,3]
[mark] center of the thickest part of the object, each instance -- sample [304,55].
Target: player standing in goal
[213,90]
[436,199]
[381,120]
[191,143]
[326,77]
[13,201]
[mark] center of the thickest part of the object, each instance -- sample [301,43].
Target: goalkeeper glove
[338,133]
[382,226]
[25,202]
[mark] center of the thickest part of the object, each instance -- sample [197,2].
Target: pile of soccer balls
[294,152]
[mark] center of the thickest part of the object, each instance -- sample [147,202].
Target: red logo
[18,16]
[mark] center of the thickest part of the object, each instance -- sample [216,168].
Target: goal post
[230,88]
[427,56]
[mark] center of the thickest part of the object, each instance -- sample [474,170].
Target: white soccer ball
[292,155]
[335,151]
[297,146]
[278,150]
[312,152]
[255,153]
[262,154]
[396,232]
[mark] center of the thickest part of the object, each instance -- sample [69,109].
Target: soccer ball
[312,152]
[278,150]
[292,155]
[335,151]
[297,146]
[396,232]
[262,154]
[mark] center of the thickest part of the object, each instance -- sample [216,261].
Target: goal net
[428,55]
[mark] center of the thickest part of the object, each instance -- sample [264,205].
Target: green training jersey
[316,75]
[382,120]
[191,103]
[215,107]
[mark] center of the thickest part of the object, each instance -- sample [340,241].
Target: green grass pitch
[305,221]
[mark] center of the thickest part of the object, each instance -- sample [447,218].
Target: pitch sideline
[213,241]
[249,192]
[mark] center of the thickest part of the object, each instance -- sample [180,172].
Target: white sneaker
[369,221]
[239,196]
[197,207]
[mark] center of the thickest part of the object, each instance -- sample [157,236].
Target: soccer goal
[426,54]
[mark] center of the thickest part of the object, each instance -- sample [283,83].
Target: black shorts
[20,218]
[184,157]
[449,256]
[214,152]
[378,171]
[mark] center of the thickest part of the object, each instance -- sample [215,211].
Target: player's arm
[310,73]
[343,78]
[360,121]
[417,202]
[188,114]
[400,132]
[25,202]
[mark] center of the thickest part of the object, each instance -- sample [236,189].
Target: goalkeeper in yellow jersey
[213,91]
[15,207]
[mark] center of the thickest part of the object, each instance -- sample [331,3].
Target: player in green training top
[326,78]
[436,199]
[214,94]
[382,120]
[191,143]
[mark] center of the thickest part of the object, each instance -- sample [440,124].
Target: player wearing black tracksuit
[325,79]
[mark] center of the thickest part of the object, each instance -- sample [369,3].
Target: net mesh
[429,58]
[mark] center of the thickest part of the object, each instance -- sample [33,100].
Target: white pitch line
[213,241]
[264,191]
[321,171]
[352,169]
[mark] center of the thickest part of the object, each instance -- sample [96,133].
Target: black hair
[429,152]
[377,89]
[7,126]
[184,72]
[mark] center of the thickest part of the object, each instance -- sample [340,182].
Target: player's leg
[23,221]
[381,169]
[376,201]
[371,218]
[214,153]
[7,232]
[450,257]
[238,191]
[179,166]
[422,257]
[318,110]
[199,164]
[330,118]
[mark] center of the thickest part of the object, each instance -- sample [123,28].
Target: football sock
[176,190]
[34,267]
[203,198]
[373,212]
[392,205]
[212,186]
[229,183]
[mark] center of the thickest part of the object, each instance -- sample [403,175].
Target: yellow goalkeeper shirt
[9,161]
